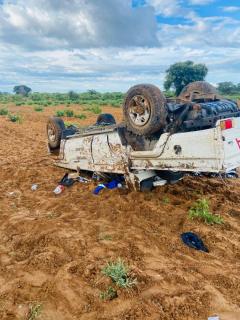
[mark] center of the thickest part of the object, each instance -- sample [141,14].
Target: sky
[110,45]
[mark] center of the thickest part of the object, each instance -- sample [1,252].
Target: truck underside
[199,135]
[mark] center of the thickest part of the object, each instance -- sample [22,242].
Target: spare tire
[55,128]
[105,119]
[145,109]
[201,88]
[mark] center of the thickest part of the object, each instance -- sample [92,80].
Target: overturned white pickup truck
[159,139]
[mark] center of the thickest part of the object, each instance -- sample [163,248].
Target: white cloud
[167,8]
[47,24]
[200,2]
[58,45]
[231,9]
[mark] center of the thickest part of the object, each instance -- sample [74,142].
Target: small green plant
[94,109]
[105,237]
[69,113]
[80,116]
[69,124]
[34,311]
[3,112]
[15,118]
[118,272]
[108,294]
[59,113]
[200,210]
[19,104]
[38,109]
[165,200]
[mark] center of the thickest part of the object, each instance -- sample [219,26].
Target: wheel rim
[139,110]
[51,133]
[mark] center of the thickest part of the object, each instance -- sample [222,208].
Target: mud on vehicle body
[159,140]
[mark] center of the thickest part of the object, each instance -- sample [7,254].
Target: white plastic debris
[82,179]
[214,318]
[34,187]
[59,189]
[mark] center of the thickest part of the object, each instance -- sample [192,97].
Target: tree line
[177,77]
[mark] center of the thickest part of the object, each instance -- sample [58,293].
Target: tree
[227,88]
[73,95]
[181,74]
[22,90]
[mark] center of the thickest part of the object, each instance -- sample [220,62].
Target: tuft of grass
[59,113]
[69,113]
[69,124]
[105,237]
[80,116]
[108,294]
[200,210]
[165,200]
[19,104]
[15,118]
[3,112]
[38,109]
[94,109]
[118,271]
[34,311]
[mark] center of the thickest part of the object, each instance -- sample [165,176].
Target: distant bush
[3,112]
[59,113]
[69,113]
[38,109]
[94,109]
[15,118]
[69,124]
[90,98]
[80,116]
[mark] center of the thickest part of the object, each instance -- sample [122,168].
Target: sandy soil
[52,248]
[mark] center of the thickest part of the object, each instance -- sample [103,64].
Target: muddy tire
[55,128]
[198,87]
[144,109]
[105,119]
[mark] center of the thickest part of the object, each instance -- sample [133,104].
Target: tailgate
[230,130]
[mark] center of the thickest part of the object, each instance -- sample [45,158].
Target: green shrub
[15,118]
[95,109]
[59,113]
[200,210]
[3,112]
[109,294]
[19,104]
[69,113]
[38,109]
[34,311]
[118,272]
[69,124]
[80,116]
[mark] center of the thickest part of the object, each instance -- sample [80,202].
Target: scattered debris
[59,189]
[214,318]
[110,185]
[66,181]
[193,241]
[34,187]
[82,179]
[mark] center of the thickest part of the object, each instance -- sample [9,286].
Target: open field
[53,248]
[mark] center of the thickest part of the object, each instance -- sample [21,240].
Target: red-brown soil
[52,248]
